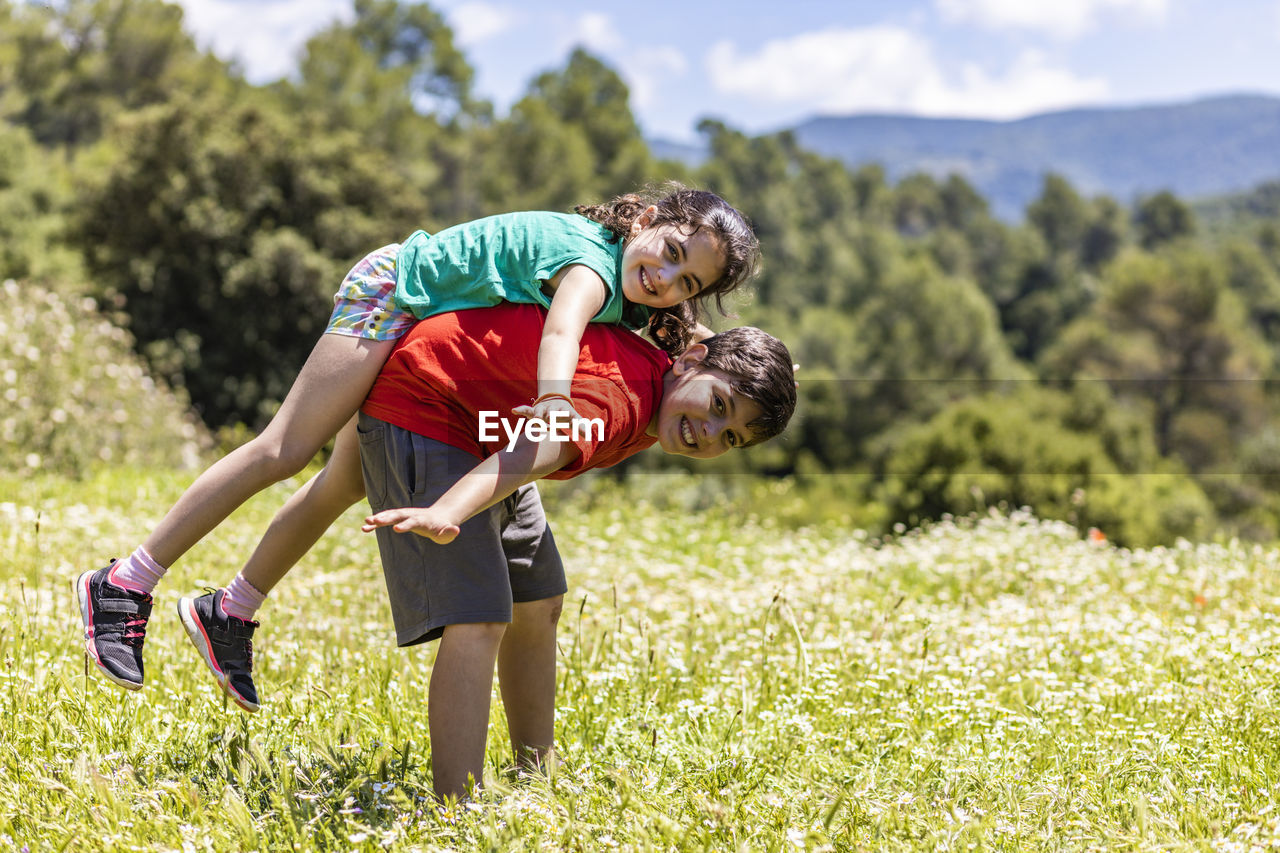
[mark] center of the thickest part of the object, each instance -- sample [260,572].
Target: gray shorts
[505,554]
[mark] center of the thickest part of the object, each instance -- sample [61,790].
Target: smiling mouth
[644,283]
[686,432]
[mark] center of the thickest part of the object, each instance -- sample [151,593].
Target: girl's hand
[543,410]
[424,521]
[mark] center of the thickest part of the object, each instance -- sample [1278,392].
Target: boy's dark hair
[682,206]
[760,368]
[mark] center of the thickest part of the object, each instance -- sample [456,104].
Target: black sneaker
[225,644]
[115,626]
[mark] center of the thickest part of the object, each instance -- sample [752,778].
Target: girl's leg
[115,601]
[220,624]
[330,387]
[527,677]
[307,514]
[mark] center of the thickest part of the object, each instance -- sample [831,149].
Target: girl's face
[664,265]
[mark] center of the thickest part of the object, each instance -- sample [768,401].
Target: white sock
[242,599]
[138,572]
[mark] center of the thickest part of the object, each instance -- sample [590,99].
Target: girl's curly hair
[672,328]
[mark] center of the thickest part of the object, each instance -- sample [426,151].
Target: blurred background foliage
[171,235]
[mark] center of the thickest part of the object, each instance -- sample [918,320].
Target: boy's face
[700,414]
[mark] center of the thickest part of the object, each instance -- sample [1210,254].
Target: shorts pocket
[426,456]
[373,459]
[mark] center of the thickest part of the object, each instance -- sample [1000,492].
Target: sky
[763,65]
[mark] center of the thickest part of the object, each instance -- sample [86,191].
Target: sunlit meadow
[725,684]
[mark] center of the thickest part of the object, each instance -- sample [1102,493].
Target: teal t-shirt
[506,258]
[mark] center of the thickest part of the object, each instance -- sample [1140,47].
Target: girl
[632,261]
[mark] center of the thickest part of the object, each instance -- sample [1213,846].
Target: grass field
[724,685]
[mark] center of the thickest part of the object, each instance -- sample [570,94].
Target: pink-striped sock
[138,572]
[242,599]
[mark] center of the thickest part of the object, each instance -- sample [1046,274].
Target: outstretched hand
[424,521]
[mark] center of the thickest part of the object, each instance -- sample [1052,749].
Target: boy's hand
[542,411]
[424,521]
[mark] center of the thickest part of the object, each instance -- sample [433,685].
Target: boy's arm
[483,486]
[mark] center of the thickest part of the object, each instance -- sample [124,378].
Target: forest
[171,236]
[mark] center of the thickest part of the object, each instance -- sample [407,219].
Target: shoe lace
[135,631]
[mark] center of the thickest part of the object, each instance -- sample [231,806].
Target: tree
[1167,332]
[1269,243]
[918,206]
[922,340]
[962,206]
[1056,282]
[873,198]
[1162,218]
[540,162]
[820,248]
[753,175]
[1060,215]
[1104,236]
[589,96]
[226,226]
[1252,277]
[395,75]
[76,63]
[34,189]
[1074,456]
[387,70]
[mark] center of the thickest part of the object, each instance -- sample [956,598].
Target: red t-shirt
[451,367]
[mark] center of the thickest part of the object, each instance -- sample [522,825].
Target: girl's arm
[579,295]
[480,488]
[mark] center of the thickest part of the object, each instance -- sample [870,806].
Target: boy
[420,429]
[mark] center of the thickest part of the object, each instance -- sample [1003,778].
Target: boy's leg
[463,593]
[459,593]
[458,705]
[527,659]
[527,676]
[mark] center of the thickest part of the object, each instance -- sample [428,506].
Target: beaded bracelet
[553,396]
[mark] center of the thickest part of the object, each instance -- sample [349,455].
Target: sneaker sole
[199,639]
[90,650]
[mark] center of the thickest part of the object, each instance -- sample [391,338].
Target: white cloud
[641,66]
[891,69]
[1029,86]
[669,59]
[831,69]
[645,82]
[596,33]
[1061,18]
[474,23]
[269,46]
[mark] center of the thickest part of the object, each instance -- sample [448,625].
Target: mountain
[665,149]
[1203,148]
